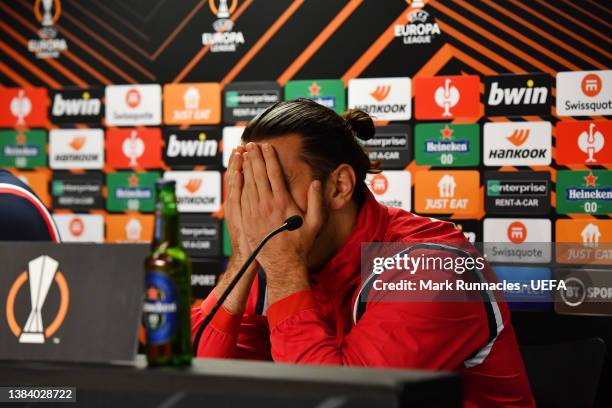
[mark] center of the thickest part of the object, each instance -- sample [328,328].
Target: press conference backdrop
[493,114]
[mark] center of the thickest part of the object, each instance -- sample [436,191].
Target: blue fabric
[20,220]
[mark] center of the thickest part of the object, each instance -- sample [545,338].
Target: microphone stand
[291,223]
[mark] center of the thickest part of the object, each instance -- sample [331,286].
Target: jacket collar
[370,226]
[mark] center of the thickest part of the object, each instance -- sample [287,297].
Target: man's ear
[340,186]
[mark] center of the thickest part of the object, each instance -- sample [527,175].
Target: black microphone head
[294,222]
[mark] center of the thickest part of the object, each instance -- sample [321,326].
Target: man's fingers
[314,213]
[274,170]
[235,165]
[249,190]
[260,174]
[236,191]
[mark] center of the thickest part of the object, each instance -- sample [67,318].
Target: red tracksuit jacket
[316,326]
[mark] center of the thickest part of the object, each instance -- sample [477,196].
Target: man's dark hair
[328,139]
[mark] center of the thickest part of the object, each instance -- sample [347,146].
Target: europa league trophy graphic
[41,272]
[47,19]
[47,30]
[223,23]
[223,11]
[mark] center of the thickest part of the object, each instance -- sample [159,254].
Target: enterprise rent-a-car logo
[521,192]
[390,146]
[242,101]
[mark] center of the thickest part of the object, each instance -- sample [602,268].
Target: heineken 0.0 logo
[131,191]
[444,144]
[588,192]
[23,150]
[327,92]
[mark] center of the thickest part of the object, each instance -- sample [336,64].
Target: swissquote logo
[382,98]
[192,147]
[76,149]
[516,95]
[135,147]
[391,188]
[517,231]
[76,105]
[224,39]
[447,97]
[197,191]
[80,227]
[23,107]
[584,93]
[197,103]
[517,240]
[131,105]
[421,28]
[584,142]
[48,45]
[517,143]
[42,273]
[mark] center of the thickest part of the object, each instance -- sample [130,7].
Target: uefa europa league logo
[41,273]
[47,12]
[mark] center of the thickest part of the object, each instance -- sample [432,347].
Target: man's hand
[266,204]
[241,248]
[233,214]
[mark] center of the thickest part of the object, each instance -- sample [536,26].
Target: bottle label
[160,308]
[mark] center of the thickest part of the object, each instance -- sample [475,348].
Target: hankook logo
[517,143]
[383,98]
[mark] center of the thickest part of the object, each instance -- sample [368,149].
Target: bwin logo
[84,106]
[200,147]
[527,95]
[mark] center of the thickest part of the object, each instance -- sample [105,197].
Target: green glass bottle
[166,310]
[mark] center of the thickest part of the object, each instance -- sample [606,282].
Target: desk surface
[237,378]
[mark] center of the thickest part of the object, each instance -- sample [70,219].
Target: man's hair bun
[360,123]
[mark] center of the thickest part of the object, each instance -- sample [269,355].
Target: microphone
[291,224]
